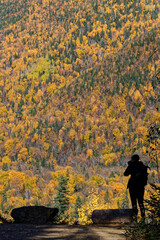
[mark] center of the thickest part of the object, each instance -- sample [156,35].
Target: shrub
[150,230]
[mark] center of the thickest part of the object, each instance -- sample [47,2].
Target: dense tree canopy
[79,90]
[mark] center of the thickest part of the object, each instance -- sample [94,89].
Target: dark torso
[135,170]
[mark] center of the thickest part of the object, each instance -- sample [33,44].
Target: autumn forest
[79,94]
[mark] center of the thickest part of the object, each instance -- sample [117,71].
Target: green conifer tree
[125,200]
[106,197]
[62,200]
[78,205]
[5,167]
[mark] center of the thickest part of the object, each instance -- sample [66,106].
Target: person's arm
[127,172]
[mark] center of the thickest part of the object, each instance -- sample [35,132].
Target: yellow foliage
[3,111]
[36,192]
[92,203]
[118,188]
[142,107]
[89,153]
[59,113]
[117,134]
[60,144]
[68,67]
[149,87]
[16,201]
[123,125]
[23,153]
[109,158]
[7,160]
[94,57]
[39,95]
[142,130]
[80,53]
[36,136]
[86,211]
[72,134]
[100,140]
[46,146]
[144,149]
[107,149]
[51,88]
[137,96]
[16,180]
[9,145]
[86,136]
[98,180]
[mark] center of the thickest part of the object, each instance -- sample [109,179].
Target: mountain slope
[79,88]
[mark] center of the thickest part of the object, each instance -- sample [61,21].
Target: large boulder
[112,216]
[34,214]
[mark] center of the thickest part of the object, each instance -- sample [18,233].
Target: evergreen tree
[153,204]
[78,205]
[118,204]
[62,200]
[5,167]
[125,200]
[106,197]
[130,124]
[112,175]
[19,167]
[153,138]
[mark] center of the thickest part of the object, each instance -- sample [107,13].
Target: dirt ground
[59,232]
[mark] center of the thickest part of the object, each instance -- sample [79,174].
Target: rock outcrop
[112,216]
[34,214]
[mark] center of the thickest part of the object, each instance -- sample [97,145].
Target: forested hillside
[79,94]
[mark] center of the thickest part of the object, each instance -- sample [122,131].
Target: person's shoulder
[142,165]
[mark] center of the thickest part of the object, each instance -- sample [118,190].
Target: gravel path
[59,232]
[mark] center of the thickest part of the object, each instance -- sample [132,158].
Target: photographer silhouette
[136,184]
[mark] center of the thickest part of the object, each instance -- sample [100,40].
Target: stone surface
[112,216]
[34,214]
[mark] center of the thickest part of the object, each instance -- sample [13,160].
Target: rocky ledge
[34,214]
[112,216]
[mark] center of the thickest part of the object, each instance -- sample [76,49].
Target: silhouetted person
[136,184]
